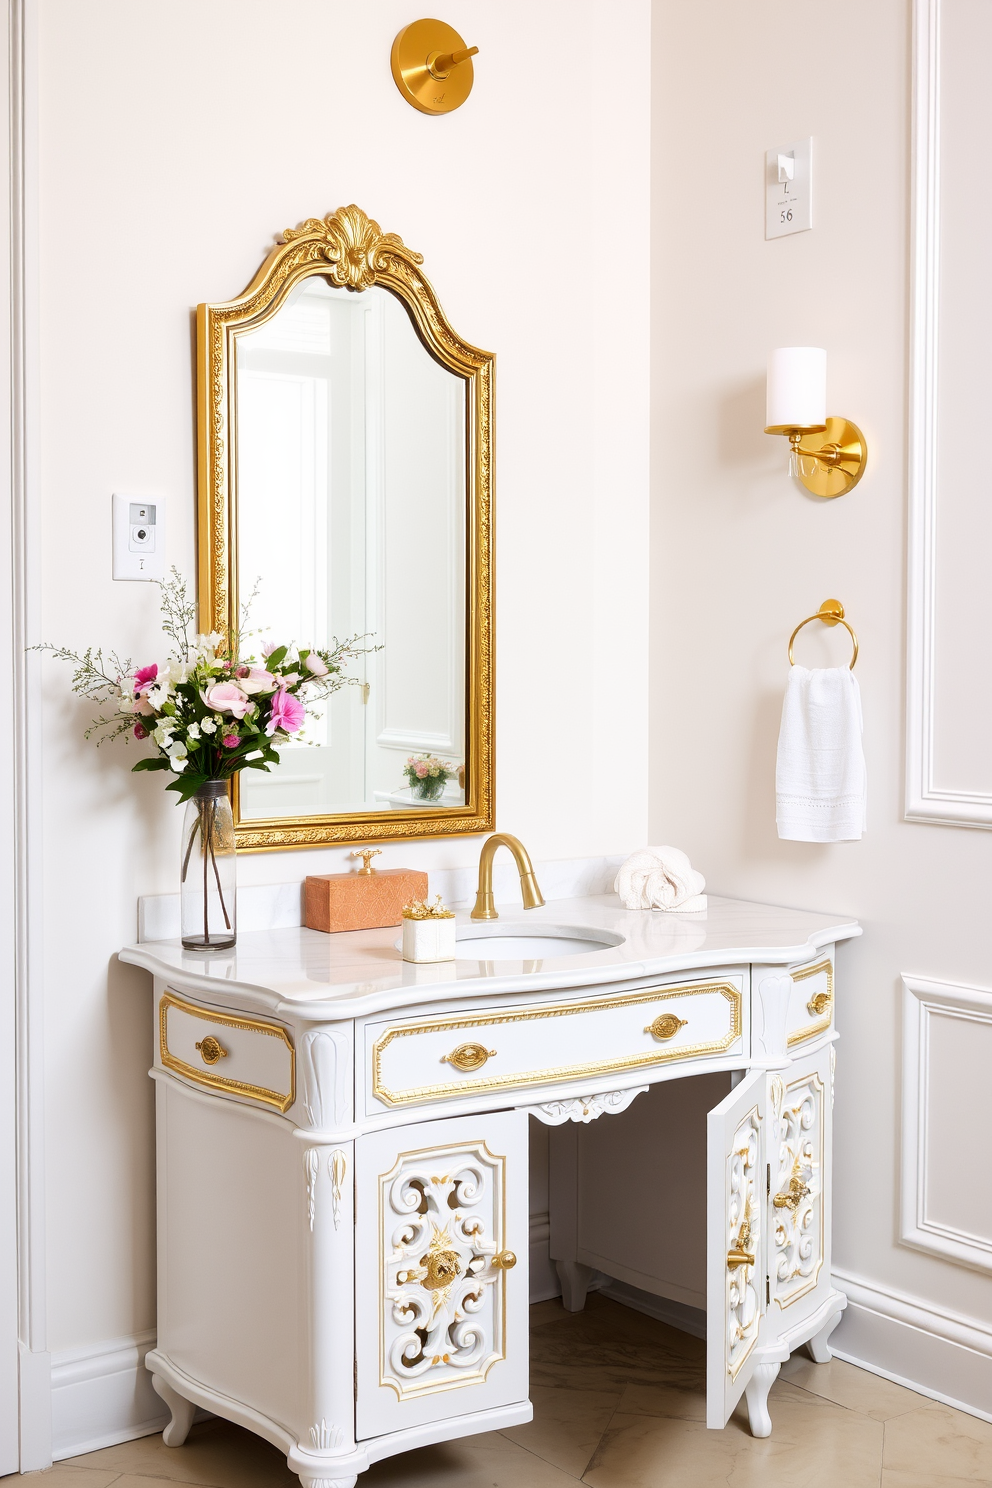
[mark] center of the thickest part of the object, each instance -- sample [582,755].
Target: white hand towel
[661,878]
[820,779]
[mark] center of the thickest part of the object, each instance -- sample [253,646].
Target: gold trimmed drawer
[226,1051]
[460,1054]
[811,1003]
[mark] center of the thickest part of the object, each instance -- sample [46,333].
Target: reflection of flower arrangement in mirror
[428,775]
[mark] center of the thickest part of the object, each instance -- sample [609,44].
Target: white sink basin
[513,942]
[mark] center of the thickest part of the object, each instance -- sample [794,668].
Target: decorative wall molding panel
[948,774]
[946,1207]
[928,1349]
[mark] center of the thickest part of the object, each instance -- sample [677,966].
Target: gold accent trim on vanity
[352,252]
[822,1002]
[277,1098]
[645,1057]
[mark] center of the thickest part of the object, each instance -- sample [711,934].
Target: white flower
[176,750]
[179,764]
[163,734]
[193,731]
[209,725]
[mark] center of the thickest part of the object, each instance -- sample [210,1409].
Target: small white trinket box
[428,932]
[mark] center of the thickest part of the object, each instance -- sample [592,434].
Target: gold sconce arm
[830,459]
[440,66]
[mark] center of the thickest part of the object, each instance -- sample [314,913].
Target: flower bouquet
[210,710]
[428,775]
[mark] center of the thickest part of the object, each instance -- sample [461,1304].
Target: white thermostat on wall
[789,189]
[139,537]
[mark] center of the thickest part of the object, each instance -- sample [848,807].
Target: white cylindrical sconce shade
[796,394]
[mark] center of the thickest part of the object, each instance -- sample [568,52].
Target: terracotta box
[360,901]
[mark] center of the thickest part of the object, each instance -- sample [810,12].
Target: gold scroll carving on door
[443,1314]
[743,1311]
[796,1186]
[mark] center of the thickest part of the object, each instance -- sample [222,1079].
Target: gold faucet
[485,908]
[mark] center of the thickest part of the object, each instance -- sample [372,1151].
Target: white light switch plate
[139,537]
[789,203]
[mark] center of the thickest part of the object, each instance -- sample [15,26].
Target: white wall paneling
[949,699]
[947,1053]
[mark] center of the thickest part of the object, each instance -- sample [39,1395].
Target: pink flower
[144,677]
[231,741]
[315,665]
[421,769]
[225,697]
[287,713]
[269,647]
[242,671]
[257,679]
[140,732]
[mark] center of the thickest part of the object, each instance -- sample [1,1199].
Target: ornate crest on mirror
[345,489]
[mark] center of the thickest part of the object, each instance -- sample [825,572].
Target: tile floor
[618,1403]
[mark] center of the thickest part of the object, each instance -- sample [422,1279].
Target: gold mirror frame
[353,252]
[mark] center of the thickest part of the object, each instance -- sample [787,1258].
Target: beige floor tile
[567,1425]
[685,1399]
[938,1440]
[814,1444]
[63,1475]
[628,1323]
[580,1353]
[216,1454]
[547,1312]
[856,1388]
[927,1480]
[489,1461]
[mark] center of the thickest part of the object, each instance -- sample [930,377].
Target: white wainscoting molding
[926,798]
[938,1353]
[965,1147]
[102,1394]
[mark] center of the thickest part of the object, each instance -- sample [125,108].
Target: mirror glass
[350,474]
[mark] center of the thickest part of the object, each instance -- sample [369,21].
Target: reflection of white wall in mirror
[351,498]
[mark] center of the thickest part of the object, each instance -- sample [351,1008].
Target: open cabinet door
[736,1243]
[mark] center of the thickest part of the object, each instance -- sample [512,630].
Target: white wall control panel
[789,189]
[139,537]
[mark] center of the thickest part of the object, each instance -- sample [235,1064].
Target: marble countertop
[307,973]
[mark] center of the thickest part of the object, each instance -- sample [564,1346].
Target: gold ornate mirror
[345,488]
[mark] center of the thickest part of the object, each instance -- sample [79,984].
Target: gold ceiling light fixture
[829,455]
[432,66]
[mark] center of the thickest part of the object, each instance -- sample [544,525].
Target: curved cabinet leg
[183,1411]
[756,1395]
[819,1349]
[575,1279]
[348,1482]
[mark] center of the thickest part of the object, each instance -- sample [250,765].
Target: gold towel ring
[831,612]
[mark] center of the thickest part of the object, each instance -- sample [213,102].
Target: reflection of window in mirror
[351,497]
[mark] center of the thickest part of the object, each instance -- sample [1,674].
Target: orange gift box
[360,901]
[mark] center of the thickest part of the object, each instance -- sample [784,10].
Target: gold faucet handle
[366,855]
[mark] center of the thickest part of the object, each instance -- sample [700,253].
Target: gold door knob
[737,1258]
[504,1261]
[819,1003]
[211,1049]
[468,1057]
[666,1026]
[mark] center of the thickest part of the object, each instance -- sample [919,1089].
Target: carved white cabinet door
[798,1154]
[736,1243]
[441,1270]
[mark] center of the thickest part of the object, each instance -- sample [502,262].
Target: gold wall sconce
[828,455]
[432,66]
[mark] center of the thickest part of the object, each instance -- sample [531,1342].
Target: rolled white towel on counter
[661,878]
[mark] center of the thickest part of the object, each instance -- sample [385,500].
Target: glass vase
[208,888]
[429,789]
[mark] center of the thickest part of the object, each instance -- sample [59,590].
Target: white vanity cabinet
[343,1179]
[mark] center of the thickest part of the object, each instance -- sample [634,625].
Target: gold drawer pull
[819,1003]
[666,1026]
[737,1258]
[504,1261]
[468,1056]
[211,1049]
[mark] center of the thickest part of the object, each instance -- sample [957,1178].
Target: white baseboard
[940,1354]
[544,1283]
[102,1394]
